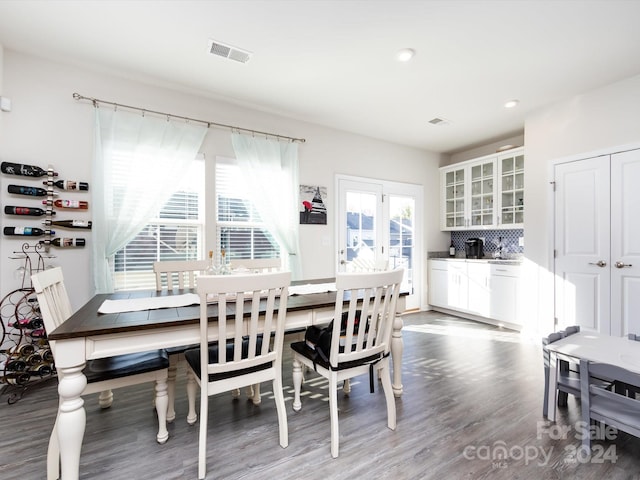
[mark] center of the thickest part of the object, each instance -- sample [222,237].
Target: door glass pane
[361,226]
[402,236]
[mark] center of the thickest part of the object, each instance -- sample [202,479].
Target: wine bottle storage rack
[25,356]
[30,171]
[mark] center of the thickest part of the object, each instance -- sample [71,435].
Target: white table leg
[71,420]
[397,347]
[552,399]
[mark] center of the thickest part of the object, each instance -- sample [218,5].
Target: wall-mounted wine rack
[47,213]
[25,358]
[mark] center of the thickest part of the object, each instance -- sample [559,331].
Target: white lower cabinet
[483,290]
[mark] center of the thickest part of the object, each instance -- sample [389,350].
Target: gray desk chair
[366,330]
[607,406]
[568,378]
[102,374]
[250,347]
[179,274]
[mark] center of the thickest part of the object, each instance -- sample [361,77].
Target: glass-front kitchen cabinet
[483,193]
[511,173]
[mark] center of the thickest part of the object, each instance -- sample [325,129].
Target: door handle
[622,265]
[601,263]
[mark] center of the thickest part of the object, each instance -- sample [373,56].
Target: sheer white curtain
[271,172]
[137,161]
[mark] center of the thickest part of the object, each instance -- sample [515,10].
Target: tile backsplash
[510,240]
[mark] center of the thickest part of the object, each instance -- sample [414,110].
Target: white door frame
[417,298]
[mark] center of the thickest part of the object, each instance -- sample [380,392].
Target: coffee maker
[474,248]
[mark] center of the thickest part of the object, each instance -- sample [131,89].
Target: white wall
[47,126]
[599,120]
[488,149]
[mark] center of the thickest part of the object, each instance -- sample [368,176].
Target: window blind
[240,230]
[175,233]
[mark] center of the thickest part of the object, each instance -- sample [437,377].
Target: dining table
[594,347]
[149,320]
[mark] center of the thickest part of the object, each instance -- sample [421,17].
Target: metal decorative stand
[25,357]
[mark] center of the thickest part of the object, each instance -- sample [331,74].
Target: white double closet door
[597,243]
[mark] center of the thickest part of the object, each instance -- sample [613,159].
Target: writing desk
[593,347]
[88,335]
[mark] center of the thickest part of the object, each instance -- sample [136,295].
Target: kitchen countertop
[501,261]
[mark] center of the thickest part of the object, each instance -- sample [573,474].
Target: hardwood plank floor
[469,389]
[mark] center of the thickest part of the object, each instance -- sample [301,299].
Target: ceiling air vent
[439,121]
[227,51]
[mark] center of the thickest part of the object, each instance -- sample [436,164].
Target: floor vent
[227,51]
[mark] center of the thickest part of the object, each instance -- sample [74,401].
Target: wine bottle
[37,333]
[211,267]
[33,212]
[15,378]
[46,354]
[30,323]
[24,349]
[25,170]
[67,203]
[69,223]
[33,359]
[41,370]
[67,184]
[65,242]
[452,250]
[31,191]
[27,231]
[15,365]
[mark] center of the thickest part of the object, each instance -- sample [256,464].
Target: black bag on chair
[319,339]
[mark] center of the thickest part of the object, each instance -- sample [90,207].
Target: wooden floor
[471,409]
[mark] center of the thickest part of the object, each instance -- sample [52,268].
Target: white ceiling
[331,62]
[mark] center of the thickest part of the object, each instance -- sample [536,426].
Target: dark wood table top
[87,321]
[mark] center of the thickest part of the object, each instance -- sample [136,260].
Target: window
[239,230]
[176,233]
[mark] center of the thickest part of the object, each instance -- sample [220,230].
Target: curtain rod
[96,103]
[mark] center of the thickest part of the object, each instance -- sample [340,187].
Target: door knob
[622,265]
[600,263]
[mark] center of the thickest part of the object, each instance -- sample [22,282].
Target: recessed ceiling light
[511,103]
[405,54]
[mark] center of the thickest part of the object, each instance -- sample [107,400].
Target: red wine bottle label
[67,184]
[34,212]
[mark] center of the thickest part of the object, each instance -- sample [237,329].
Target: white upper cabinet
[483,193]
[511,198]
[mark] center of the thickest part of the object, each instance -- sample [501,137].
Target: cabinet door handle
[600,263]
[622,265]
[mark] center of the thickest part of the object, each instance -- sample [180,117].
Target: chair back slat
[372,298]
[251,313]
[178,273]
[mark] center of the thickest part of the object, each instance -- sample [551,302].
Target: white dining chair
[102,374]
[253,265]
[249,346]
[256,265]
[358,345]
[179,274]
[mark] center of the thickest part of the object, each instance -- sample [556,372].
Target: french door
[377,222]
